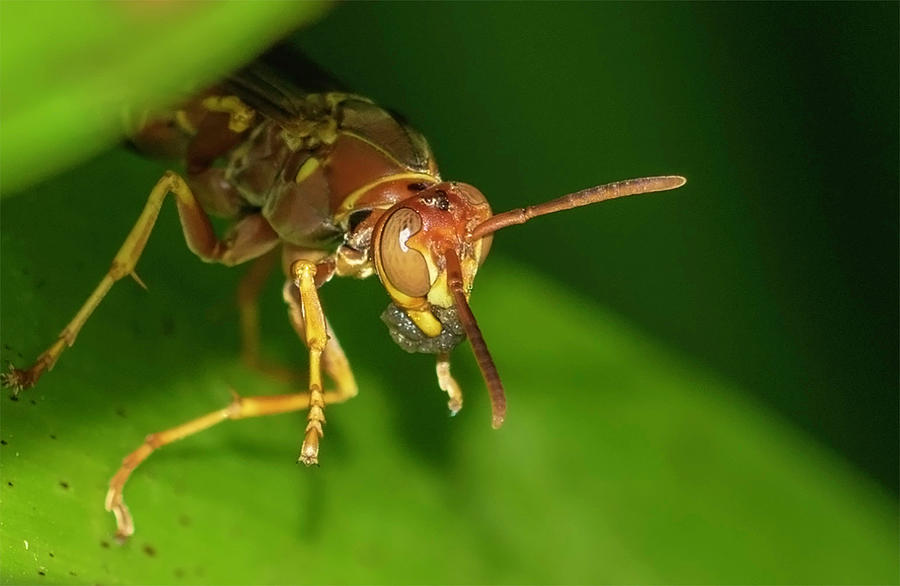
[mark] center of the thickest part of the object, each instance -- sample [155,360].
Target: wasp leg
[334,361]
[239,408]
[303,273]
[448,383]
[249,238]
[248,294]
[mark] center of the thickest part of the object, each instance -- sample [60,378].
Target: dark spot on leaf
[73,574]
[64,484]
[104,544]
[7,346]
[9,484]
[2,442]
[42,573]
[13,398]
[33,402]
[179,573]
[168,325]
[52,436]
[40,283]
[120,411]
[149,550]
[184,521]
[51,554]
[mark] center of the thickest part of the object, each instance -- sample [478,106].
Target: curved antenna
[479,347]
[577,199]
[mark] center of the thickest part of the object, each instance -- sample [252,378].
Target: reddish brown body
[346,189]
[305,179]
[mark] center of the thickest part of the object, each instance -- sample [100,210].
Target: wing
[277,83]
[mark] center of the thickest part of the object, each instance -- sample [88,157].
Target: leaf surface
[621,461]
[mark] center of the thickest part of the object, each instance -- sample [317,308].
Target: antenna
[479,347]
[577,199]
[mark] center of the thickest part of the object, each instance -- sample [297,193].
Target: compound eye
[404,267]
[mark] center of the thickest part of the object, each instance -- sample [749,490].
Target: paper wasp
[339,186]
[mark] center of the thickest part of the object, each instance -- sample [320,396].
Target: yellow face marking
[308,168]
[439,294]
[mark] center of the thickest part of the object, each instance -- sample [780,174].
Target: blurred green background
[702,384]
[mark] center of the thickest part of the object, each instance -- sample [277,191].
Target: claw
[17,380]
[116,505]
[309,452]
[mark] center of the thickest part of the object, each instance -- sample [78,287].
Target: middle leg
[248,293]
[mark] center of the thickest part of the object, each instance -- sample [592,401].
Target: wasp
[338,186]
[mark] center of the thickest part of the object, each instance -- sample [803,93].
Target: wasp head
[426,255]
[429,247]
[418,245]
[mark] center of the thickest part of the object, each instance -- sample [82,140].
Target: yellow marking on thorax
[240,115]
[306,169]
[184,123]
[350,201]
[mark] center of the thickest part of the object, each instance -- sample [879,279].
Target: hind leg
[248,293]
[249,238]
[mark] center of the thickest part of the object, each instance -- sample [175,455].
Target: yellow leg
[252,237]
[334,361]
[448,383]
[304,276]
[248,293]
[240,408]
[122,265]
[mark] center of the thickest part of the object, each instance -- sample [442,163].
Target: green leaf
[621,460]
[73,71]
